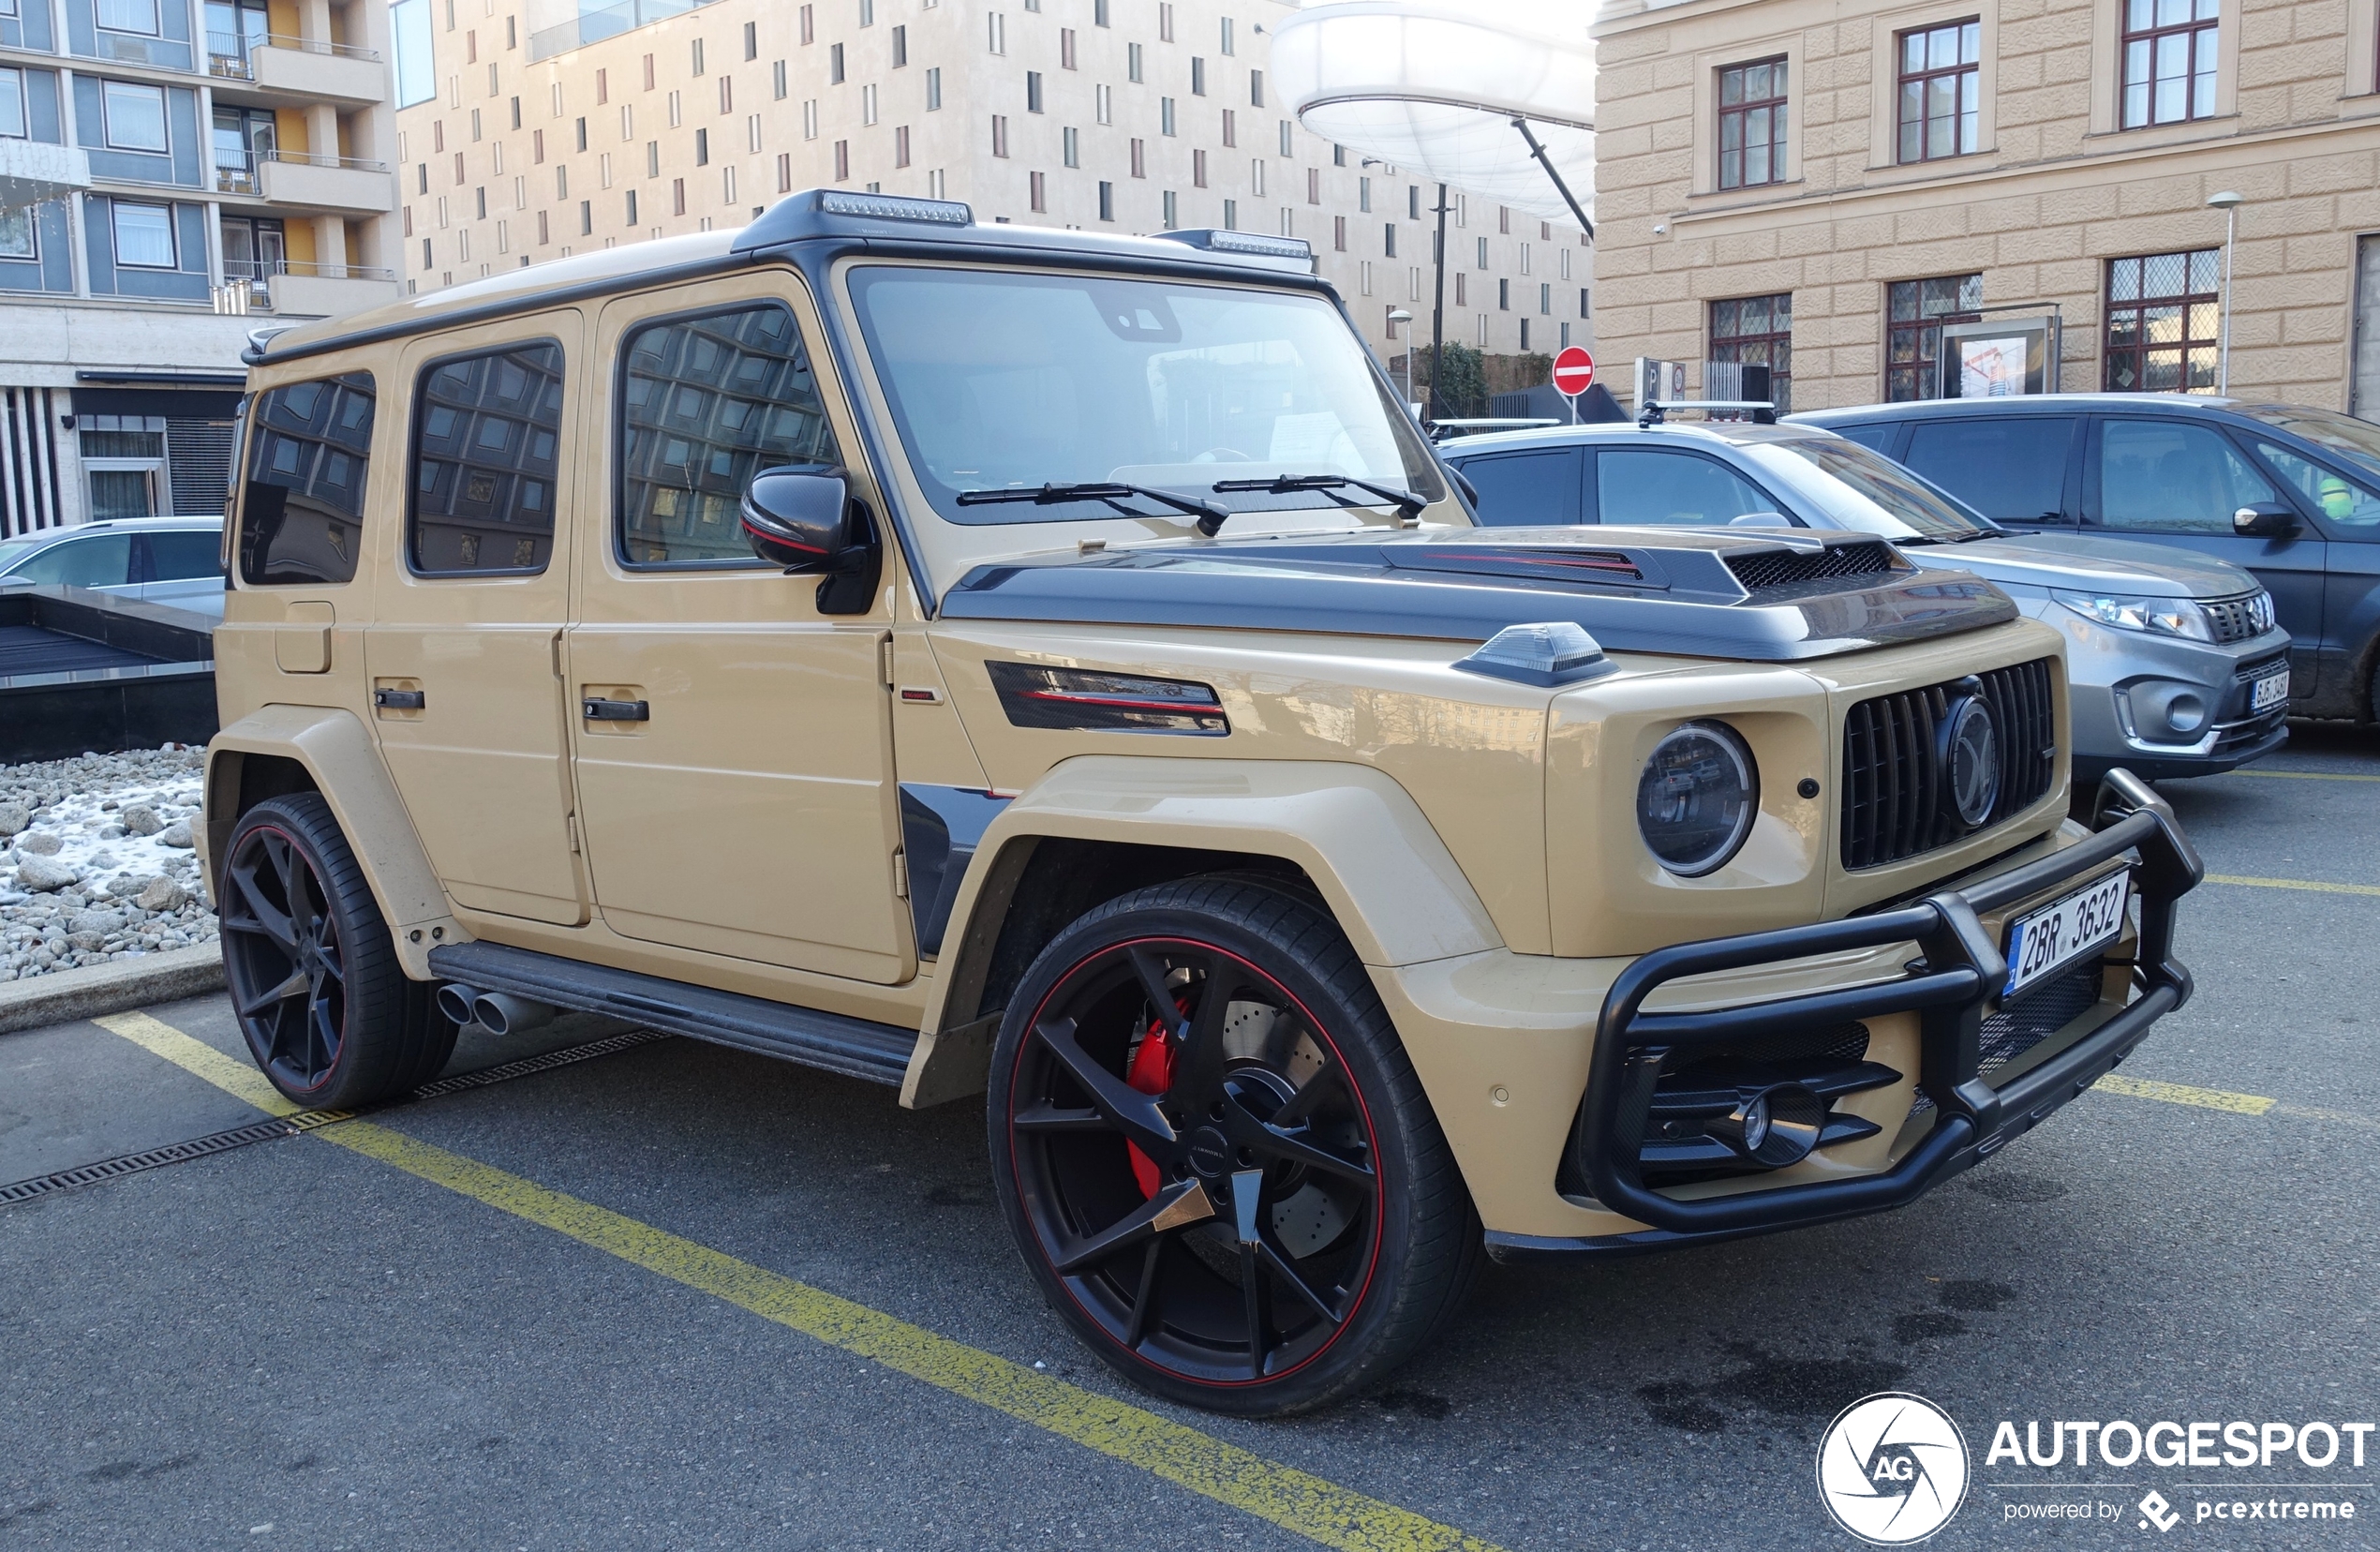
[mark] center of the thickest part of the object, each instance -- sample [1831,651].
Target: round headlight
[1695,801]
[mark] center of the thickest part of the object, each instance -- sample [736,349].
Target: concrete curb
[111,988]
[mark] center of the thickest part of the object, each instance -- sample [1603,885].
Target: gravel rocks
[105,875]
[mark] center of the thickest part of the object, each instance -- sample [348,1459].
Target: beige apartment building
[555,133]
[1814,182]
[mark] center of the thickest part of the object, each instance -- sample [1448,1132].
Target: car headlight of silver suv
[1697,796]
[2171,617]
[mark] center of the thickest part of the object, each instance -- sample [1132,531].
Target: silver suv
[2177,667]
[176,561]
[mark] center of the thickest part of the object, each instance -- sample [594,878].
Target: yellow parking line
[2182,1093]
[2305,775]
[2316,886]
[1296,1501]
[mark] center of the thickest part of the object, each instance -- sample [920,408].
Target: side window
[2163,477]
[181,557]
[308,446]
[1672,489]
[487,429]
[2012,468]
[102,560]
[1526,489]
[2336,498]
[1873,434]
[706,403]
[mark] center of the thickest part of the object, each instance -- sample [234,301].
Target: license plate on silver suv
[2269,691]
[2044,941]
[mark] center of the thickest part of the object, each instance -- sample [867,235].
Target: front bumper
[2116,679]
[1948,987]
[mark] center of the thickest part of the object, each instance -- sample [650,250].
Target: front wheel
[1215,1155]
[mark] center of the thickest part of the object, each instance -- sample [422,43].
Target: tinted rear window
[2012,468]
[303,509]
[1868,434]
[180,556]
[1526,489]
[488,434]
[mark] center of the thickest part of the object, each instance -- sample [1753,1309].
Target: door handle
[399,700]
[596,709]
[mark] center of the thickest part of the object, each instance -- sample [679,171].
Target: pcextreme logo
[1891,1468]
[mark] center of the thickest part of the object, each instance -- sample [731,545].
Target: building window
[143,235]
[1226,35]
[1545,300]
[996,32]
[1197,76]
[1071,144]
[1339,233]
[1758,330]
[135,117]
[1038,189]
[842,161]
[1363,195]
[1164,22]
[1314,186]
[1132,63]
[1230,215]
[1914,312]
[1065,48]
[776,85]
[1230,127]
[999,134]
[785,171]
[678,195]
[810,119]
[808,25]
[1103,101]
[1107,201]
[1165,115]
[1033,91]
[2162,322]
[1483,254]
[1524,336]
[1197,170]
[1752,123]
[702,148]
[933,89]
[900,146]
[899,47]
[868,103]
[1461,289]
[834,65]
[1172,210]
[752,40]
[1139,158]
[1940,91]
[1099,13]
[129,16]
[1388,241]
[1503,295]
[2169,61]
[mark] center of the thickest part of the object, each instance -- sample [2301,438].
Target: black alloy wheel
[1216,1156]
[313,976]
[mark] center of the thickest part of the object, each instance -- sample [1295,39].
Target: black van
[2288,492]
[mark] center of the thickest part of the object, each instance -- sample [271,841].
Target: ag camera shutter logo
[1891,1468]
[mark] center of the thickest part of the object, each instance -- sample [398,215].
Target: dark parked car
[2288,492]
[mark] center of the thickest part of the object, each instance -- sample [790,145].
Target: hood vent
[1765,569]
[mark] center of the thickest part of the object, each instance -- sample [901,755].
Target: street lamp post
[2229,203]
[1397,316]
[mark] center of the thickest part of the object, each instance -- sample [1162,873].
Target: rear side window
[487,431]
[182,557]
[1671,489]
[303,509]
[706,402]
[2012,468]
[1525,488]
[1873,434]
[102,560]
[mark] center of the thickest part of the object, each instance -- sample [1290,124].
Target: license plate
[2269,691]
[2045,941]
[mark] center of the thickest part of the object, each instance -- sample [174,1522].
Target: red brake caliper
[1152,1072]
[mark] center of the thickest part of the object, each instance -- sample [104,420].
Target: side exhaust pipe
[454,1002]
[501,1013]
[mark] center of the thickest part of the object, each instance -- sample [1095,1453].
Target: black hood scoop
[1761,597]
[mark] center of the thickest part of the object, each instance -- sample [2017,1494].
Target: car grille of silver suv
[2241,619]
[1895,802]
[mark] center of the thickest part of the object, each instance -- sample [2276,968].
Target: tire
[1122,1141]
[312,969]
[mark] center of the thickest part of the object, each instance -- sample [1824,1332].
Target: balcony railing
[235,172]
[231,56]
[593,26]
[247,283]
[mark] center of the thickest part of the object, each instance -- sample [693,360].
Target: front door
[734,745]
[2177,482]
[465,646]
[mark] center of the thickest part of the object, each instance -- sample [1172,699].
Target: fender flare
[1390,881]
[337,750]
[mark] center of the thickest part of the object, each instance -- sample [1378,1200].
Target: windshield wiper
[1209,514]
[1408,505]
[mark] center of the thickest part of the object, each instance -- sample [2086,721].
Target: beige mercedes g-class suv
[1053,667]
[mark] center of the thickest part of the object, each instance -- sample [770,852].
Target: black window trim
[618,452]
[413,460]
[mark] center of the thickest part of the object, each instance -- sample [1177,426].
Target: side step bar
[855,1048]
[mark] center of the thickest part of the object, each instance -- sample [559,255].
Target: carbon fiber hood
[1760,597]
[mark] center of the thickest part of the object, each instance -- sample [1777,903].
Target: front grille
[1768,569]
[2241,619]
[1894,802]
[2046,1008]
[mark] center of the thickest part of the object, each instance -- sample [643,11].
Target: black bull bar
[1959,969]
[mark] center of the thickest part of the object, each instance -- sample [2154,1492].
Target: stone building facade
[591,128]
[1820,182]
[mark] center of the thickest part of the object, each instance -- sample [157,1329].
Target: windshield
[2359,442]
[1861,489]
[1001,379]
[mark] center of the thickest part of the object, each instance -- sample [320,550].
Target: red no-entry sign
[1573,372]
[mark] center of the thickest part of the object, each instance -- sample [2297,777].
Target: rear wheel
[1215,1155]
[313,976]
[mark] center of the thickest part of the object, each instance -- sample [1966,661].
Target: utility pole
[1437,308]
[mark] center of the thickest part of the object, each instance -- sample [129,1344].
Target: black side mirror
[806,521]
[2264,520]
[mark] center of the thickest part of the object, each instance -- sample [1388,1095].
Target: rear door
[1527,487]
[2348,515]
[734,744]
[2019,470]
[2177,481]
[184,569]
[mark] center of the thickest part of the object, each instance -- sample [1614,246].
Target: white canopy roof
[1434,86]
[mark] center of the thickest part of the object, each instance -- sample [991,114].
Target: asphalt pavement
[677,1296]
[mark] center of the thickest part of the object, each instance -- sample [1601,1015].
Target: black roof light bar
[1763,412]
